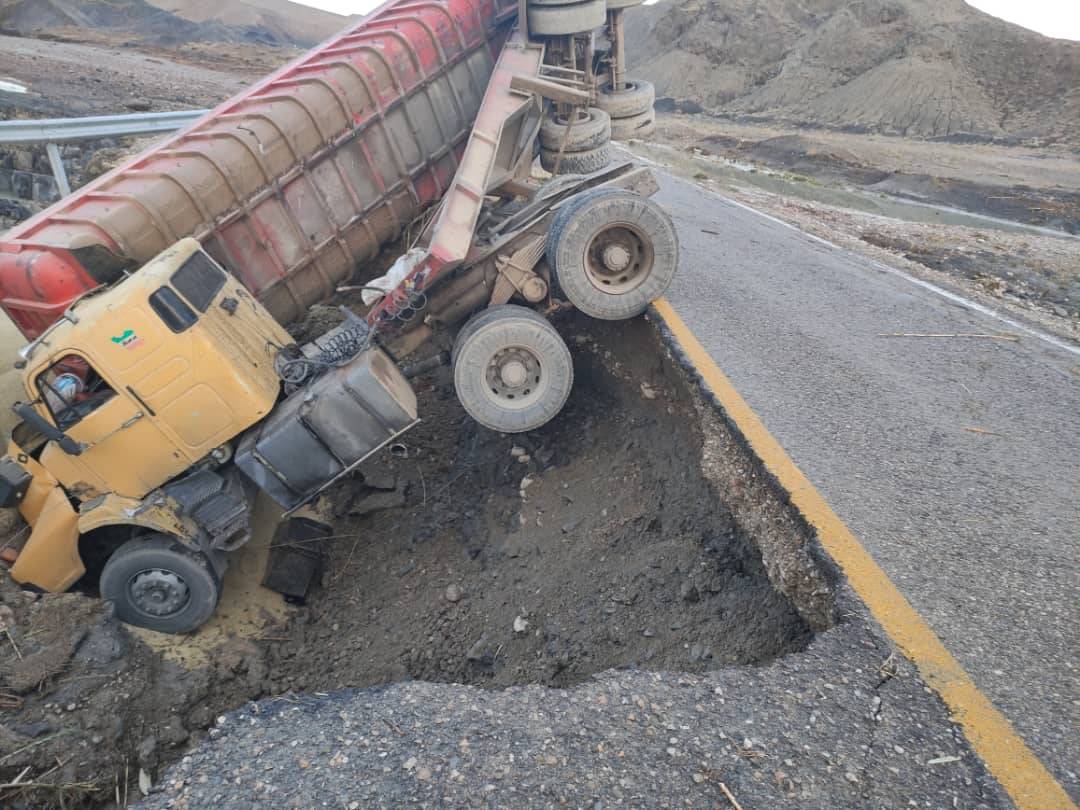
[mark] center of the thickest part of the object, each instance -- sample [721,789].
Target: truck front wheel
[156,583]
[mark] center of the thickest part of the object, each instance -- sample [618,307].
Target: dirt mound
[926,68]
[84,707]
[173,22]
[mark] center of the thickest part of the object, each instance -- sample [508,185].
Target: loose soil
[633,531]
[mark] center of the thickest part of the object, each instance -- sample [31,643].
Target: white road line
[926,285]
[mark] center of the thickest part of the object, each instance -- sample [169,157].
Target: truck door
[124,451]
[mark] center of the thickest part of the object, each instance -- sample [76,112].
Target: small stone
[517,451]
[648,633]
[424,774]
[1060,311]
[381,478]
[71,707]
[648,391]
[524,459]
[376,502]
[453,593]
[851,777]
[698,778]
[520,624]
[570,525]
[409,764]
[688,592]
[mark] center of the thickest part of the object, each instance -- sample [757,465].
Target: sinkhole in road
[635,530]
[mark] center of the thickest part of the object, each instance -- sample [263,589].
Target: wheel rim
[514,377]
[619,258]
[158,593]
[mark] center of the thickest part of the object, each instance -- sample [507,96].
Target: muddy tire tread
[577,162]
[584,135]
[638,98]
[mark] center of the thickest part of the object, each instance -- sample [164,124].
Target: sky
[1055,18]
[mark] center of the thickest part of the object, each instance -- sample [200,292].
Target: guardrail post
[57,164]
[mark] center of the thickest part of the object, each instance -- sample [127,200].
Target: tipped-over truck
[162,390]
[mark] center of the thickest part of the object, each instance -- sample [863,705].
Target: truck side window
[72,390]
[199,279]
[172,309]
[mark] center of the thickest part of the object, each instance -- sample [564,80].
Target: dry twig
[983,431]
[11,638]
[1010,336]
[730,798]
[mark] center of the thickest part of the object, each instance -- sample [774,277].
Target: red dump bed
[290,184]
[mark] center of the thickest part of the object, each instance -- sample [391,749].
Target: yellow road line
[1008,758]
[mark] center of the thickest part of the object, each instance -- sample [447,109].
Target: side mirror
[46,428]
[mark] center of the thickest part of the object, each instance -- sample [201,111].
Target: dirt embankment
[171,22]
[620,535]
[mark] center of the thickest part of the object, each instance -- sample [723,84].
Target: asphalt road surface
[955,461]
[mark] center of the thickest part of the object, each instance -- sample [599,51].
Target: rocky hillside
[295,23]
[925,68]
[167,22]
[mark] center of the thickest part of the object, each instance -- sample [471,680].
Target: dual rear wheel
[612,253]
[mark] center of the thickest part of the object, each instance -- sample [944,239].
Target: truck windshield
[72,389]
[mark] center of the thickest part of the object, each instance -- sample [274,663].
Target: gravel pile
[763,737]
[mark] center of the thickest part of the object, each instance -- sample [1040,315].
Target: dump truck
[162,389]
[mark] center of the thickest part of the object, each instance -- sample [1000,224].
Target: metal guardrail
[57,130]
[51,131]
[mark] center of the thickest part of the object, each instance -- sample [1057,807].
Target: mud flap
[50,559]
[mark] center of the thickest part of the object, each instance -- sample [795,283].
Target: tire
[640,126]
[572,18]
[152,565]
[638,97]
[613,253]
[577,162]
[496,346]
[592,130]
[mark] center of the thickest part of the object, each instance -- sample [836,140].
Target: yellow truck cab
[138,399]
